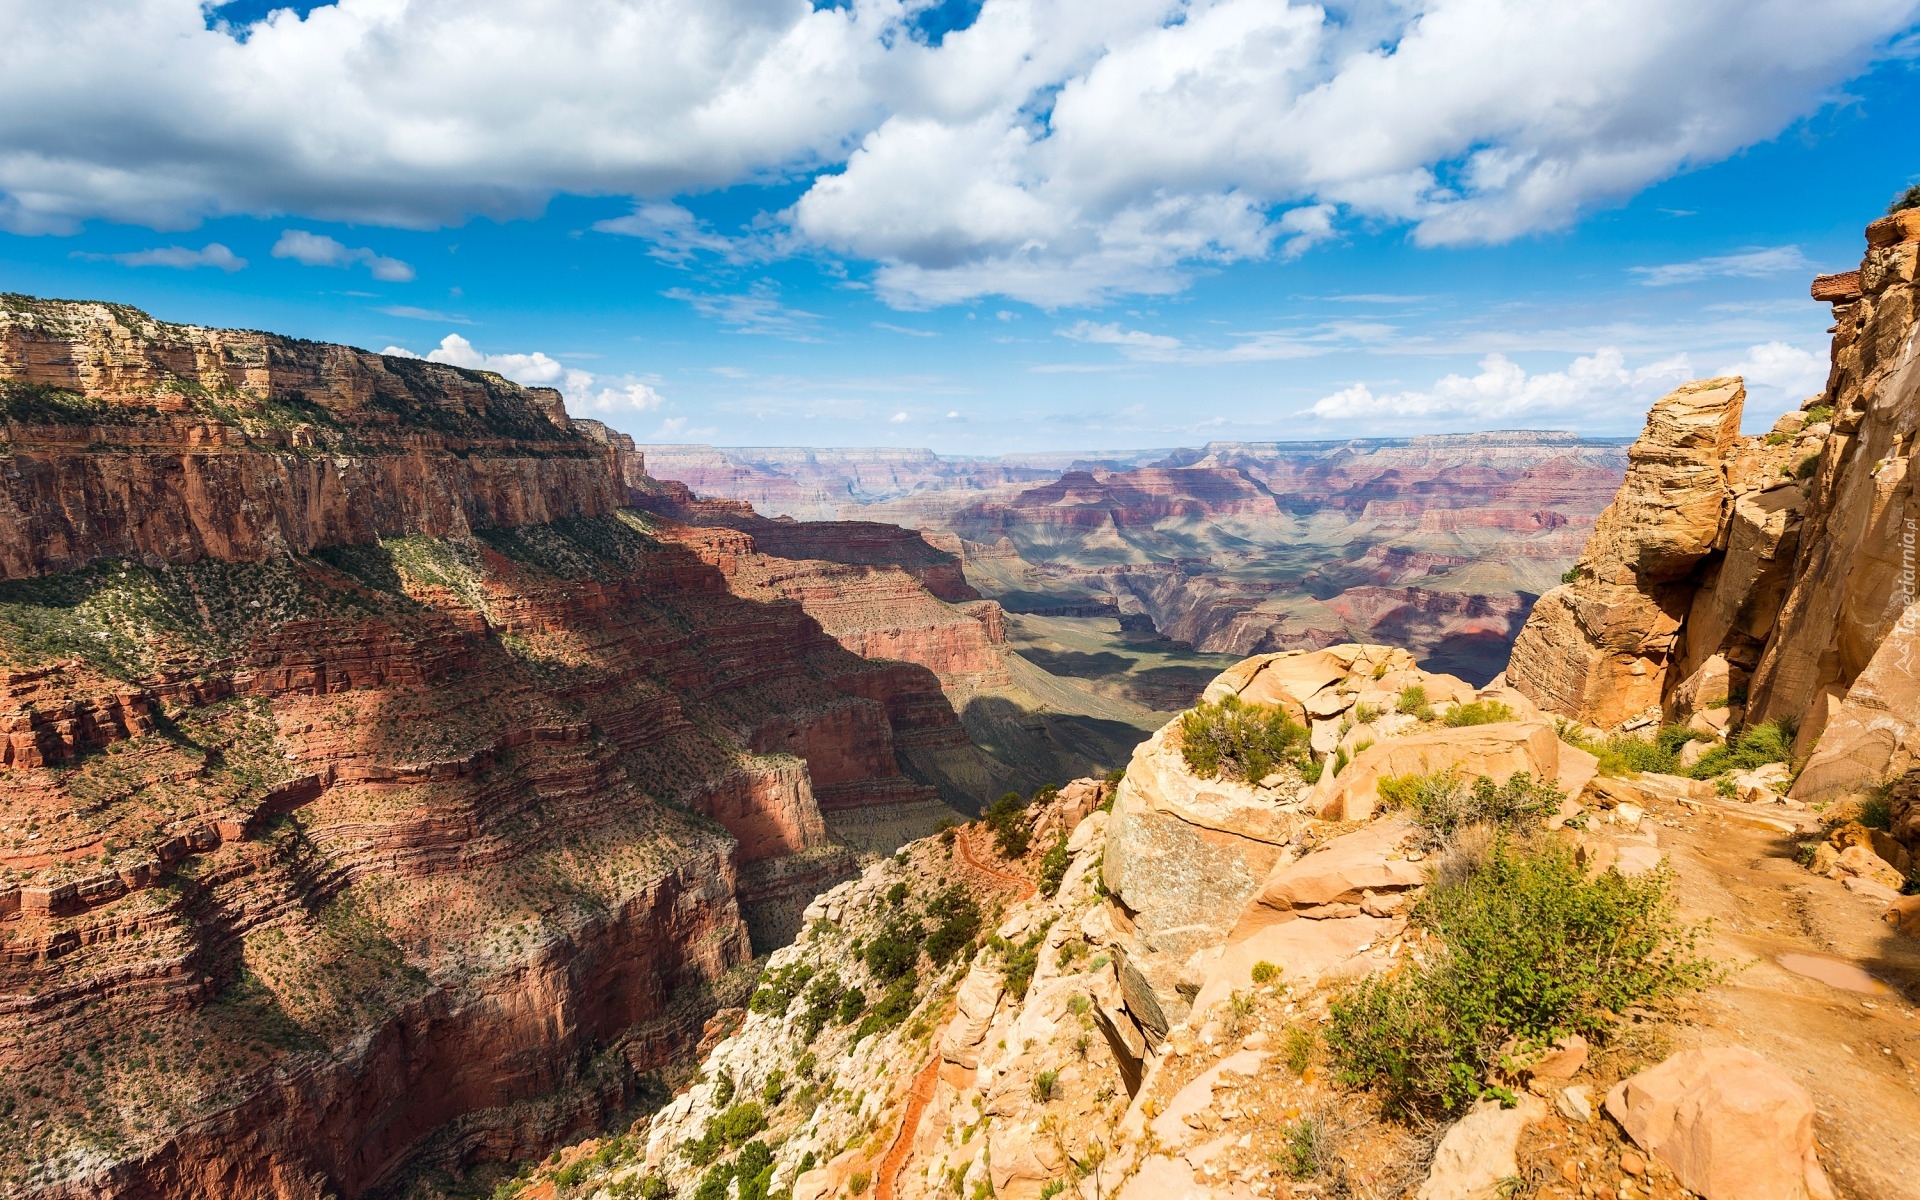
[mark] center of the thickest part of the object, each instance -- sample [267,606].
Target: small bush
[1777,439]
[1043,1085]
[1296,1049]
[1413,702]
[729,1128]
[1532,949]
[1053,868]
[1012,831]
[1756,746]
[1340,760]
[857,1183]
[894,950]
[1264,971]
[1624,754]
[1572,574]
[1311,771]
[1479,712]
[1307,1148]
[892,1008]
[1018,961]
[1444,804]
[897,894]
[1367,714]
[853,1002]
[1820,414]
[778,988]
[823,997]
[1807,466]
[958,915]
[1232,739]
[1905,200]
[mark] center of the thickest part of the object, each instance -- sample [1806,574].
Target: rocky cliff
[378,795]
[1769,576]
[131,437]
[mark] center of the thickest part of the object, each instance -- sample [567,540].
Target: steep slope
[377,794]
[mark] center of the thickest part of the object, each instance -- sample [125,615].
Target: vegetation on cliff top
[1232,739]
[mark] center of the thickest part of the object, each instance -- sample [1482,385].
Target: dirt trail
[1022,886]
[1857,1051]
[917,1100]
[921,1093]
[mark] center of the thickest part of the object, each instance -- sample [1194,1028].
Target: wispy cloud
[319,250]
[757,310]
[1502,390]
[1748,264]
[423,314]
[182,258]
[678,236]
[891,328]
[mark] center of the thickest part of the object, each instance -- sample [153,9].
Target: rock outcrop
[130,437]
[379,795]
[1783,592]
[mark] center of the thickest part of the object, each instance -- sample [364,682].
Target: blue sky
[984,229]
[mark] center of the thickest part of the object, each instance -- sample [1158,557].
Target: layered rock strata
[376,793]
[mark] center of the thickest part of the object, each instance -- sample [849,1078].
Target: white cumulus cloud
[1592,388]
[1778,375]
[584,391]
[181,258]
[1056,151]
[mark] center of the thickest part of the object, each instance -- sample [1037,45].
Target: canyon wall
[1234,548]
[131,437]
[1769,577]
[377,793]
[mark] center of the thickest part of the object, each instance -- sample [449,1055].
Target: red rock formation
[130,437]
[346,789]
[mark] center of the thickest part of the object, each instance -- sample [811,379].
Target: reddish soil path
[917,1100]
[921,1093]
[1019,884]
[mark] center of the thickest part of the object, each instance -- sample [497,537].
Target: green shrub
[1053,868]
[1306,1148]
[1012,831]
[1232,739]
[775,1088]
[754,1169]
[1413,702]
[1479,712]
[1296,1048]
[1043,1084]
[1367,714]
[1531,949]
[778,988]
[1905,200]
[714,1185]
[1777,439]
[725,1130]
[1444,804]
[958,915]
[1264,971]
[1311,771]
[823,997]
[722,1090]
[853,1002]
[1018,961]
[894,950]
[891,1009]
[857,1183]
[1756,746]
[897,894]
[1625,754]
[1053,1188]
[1807,466]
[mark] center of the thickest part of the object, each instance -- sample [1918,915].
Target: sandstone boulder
[1480,1151]
[1731,1125]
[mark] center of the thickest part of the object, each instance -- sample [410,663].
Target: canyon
[1716,706]
[1436,543]
[384,787]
